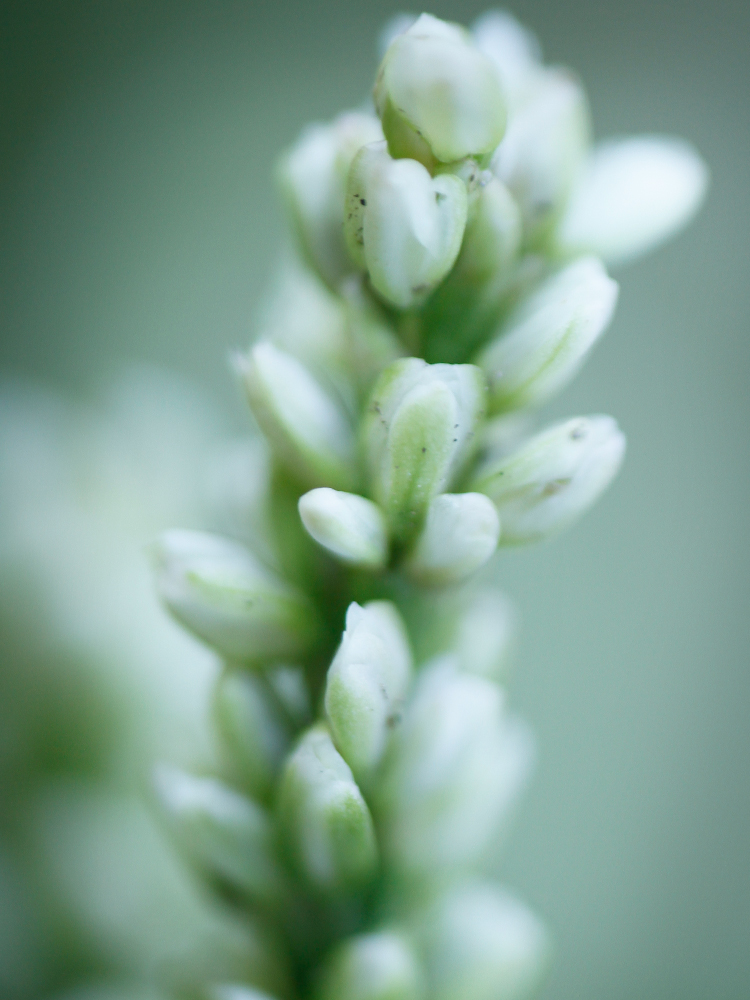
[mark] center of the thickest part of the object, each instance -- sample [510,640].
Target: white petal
[633,194]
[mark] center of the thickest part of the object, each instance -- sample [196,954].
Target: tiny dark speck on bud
[424,450]
[362,201]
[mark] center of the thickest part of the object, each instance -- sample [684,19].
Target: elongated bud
[402,225]
[377,966]
[313,177]
[367,683]
[514,52]
[223,831]
[419,430]
[219,591]
[307,429]
[252,728]
[349,526]
[438,96]
[484,634]
[460,534]
[547,338]
[631,196]
[463,311]
[456,767]
[551,480]
[543,151]
[483,944]
[329,827]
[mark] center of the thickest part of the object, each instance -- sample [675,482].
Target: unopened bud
[349,526]
[226,833]
[548,336]
[460,534]
[307,429]
[554,478]
[328,825]
[313,176]
[419,430]
[219,591]
[377,966]
[514,51]
[631,196]
[438,95]
[543,151]
[252,728]
[483,944]
[456,767]
[402,225]
[367,683]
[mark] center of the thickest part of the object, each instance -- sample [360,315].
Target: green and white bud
[350,527]
[554,478]
[377,966]
[253,730]
[455,769]
[460,534]
[438,96]
[329,830]
[483,944]
[403,226]
[543,151]
[631,196]
[484,634]
[418,433]
[222,594]
[548,336]
[367,683]
[224,832]
[308,430]
[463,310]
[514,51]
[313,179]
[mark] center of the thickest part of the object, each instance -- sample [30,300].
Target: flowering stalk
[452,247]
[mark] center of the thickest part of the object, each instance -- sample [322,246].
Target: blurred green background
[138,221]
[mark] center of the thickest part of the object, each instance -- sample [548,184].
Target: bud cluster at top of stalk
[448,279]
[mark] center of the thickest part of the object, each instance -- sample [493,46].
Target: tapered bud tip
[460,534]
[555,477]
[632,195]
[404,226]
[438,95]
[547,338]
[349,526]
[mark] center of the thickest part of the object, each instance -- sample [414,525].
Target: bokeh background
[138,224]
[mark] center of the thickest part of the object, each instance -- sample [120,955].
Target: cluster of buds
[449,280]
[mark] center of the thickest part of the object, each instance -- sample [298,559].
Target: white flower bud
[514,51]
[543,151]
[548,336]
[367,683]
[252,728]
[307,429]
[377,966]
[455,769]
[219,591]
[484,634]
[418,433]
[349,526]
[483,944]
[313,177]
[552,479]
[631,196]
[402,225]
[326,820]
[460,534]
[223,831]
[437,95]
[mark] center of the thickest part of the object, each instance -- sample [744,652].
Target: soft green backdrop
[138,221]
